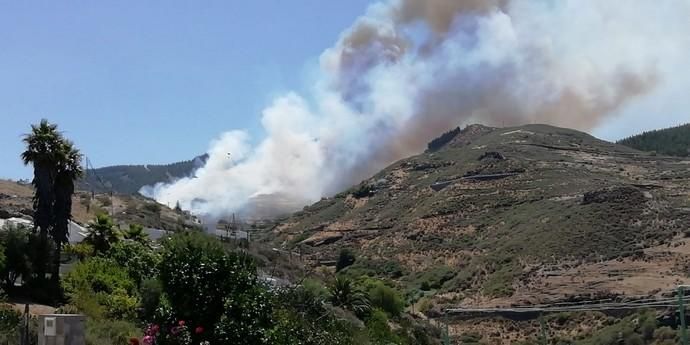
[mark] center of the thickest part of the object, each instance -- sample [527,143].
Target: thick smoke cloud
[408,70]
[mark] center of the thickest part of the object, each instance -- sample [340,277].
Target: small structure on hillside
[61,329]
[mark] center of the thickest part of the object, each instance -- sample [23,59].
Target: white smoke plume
[408,70]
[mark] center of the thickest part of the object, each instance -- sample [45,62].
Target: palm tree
[344,293]
[69,170]
[102,234]
[41,148]
[136,233]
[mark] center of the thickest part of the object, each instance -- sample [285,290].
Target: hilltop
[128,179]
[674,141]
[500,216]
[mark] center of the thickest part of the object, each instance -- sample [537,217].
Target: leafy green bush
[425,305]
[379,330]
[315,288]
[140,261]
[109,332]
[247,318]
[99,286]
[151,292]
[16,250]
[10,324]
[80,250]
[386,298]
[198,275]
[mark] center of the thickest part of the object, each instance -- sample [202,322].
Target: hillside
[674,141]
[128,179]
[502,216]
[15,201]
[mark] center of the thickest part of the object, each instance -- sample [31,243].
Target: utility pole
[446,334]
[542,325]
[25,329]
[681,312]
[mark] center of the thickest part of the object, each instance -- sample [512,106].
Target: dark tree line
[444,139]
[674,141]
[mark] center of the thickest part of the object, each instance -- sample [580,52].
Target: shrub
[197,276]
[16,250]
[109,332]
[379,330]
[363,190]
[140,261]
[345,258]
[386,298]
[10,324]
[425,305]
[153,207]
[315,288]
[665,333]
[634,339]
[80,250]
[151,292]
[98,285]
[247,318]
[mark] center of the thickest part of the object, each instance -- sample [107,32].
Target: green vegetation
[102,234]
[674,141]
[136,233]
[638,329]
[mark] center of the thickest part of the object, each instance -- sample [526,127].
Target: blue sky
[153,81]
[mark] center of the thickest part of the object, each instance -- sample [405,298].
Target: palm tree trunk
[43,214]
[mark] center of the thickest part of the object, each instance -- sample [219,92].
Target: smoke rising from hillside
[408,70]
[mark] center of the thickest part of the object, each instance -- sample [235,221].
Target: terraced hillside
[501,216]
[15,201]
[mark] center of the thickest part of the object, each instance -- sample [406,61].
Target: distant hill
[128,179]
[674,141]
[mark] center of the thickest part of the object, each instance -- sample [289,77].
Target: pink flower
[148,340]
[152,330]
[181,323]
[199,330]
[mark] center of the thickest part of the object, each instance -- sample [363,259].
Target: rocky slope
[501,216]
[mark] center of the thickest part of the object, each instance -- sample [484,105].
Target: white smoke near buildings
[408,70]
